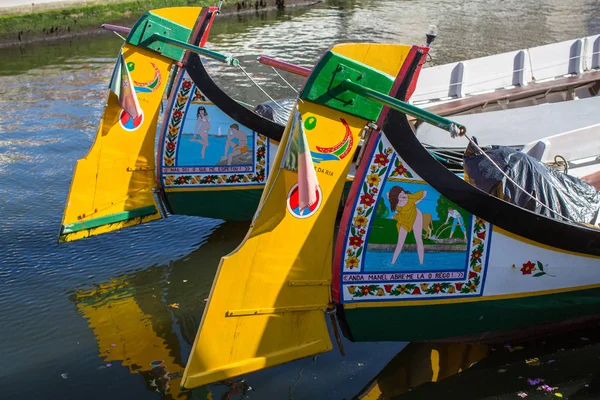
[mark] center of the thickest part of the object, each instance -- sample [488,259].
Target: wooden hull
[485,321]
[502,269]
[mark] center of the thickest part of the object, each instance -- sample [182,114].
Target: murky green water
[97,319]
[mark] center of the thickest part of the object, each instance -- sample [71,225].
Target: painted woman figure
[201,129]
[408,218]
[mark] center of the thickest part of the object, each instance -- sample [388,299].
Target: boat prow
[268,299]
[113,184]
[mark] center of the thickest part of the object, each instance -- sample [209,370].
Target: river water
[92,319]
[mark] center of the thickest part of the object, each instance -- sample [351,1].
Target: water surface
[101,317]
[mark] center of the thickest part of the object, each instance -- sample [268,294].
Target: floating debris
[522,395]
[502,370]
[64,375]
[558,395]
[535,382]
[533,362]
[174,305]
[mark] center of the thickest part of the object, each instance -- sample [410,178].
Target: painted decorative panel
[203,146]
[406,241]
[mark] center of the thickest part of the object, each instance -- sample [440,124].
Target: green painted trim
[151,32]
[229,205]
[455,320]
[108,219]
[325,86]
[454,128]
[229,60]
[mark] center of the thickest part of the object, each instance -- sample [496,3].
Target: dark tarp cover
[565,194]
[278,114]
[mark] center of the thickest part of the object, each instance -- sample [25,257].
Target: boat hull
[482,321]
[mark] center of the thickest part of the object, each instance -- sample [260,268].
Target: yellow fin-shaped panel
[112,186]
[266,305]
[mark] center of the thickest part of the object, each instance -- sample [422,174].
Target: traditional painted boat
[214,155]
[421,253]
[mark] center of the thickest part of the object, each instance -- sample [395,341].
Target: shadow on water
[563,365]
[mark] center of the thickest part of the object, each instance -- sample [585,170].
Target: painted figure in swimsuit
[408,218]
[201,129]
[238,148]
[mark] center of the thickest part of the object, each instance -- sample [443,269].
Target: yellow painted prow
[267,303]
[112,186]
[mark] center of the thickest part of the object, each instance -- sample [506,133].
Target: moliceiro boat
[212,155]
[421,254]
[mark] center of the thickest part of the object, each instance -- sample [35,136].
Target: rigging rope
[261,89]
[283,79]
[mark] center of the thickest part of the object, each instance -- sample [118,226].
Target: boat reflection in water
[420,363]
[147,320]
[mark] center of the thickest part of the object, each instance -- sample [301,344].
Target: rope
[283,79]
[261,89]
[515,183]
[117,33]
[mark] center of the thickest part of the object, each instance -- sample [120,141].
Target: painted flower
[208,179]
[437,288]
[380,292]
[400,170]
[356,241]
[187,84]
[424,286]
[234,178]
[374,190]
[476,255]
[367,199]
[381,159]
[528,268]
[261,152]
[416,291]
[362,231]
[260,177]
[388,287]
[177,114]
[472,287]
[365,290]
[351,289]
[373,179]
[168,180]
[181,99]
[451,289]
[352,262]
[169,161]
[360,220]
[181,180]
[480,221]
[402,289]
[459,285]
[170,146]
[359,209]
[388,150]
[173,130]
[349,252]
[373,168]
[481,235]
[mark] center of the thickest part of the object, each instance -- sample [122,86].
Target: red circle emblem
[128,123]
[293,204]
